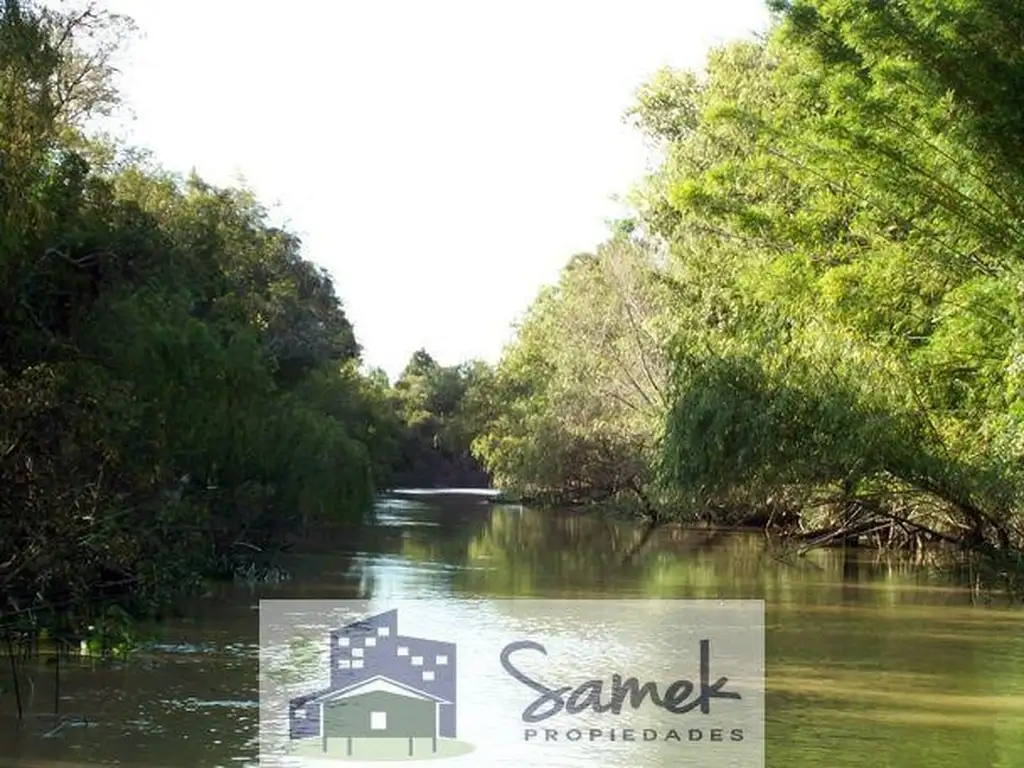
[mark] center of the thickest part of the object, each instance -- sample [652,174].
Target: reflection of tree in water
[523,551]
[528,550]
[834,619]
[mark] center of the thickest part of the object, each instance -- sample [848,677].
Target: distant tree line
[441,414]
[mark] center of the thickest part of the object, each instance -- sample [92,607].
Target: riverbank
[873,528]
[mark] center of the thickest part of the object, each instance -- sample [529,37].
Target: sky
[442,159]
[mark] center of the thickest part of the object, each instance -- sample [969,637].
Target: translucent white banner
[513,682]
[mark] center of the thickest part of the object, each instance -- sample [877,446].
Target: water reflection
[870,661]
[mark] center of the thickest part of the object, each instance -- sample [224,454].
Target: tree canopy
[179,384]
[833,277]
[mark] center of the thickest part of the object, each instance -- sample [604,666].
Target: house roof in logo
[374,684]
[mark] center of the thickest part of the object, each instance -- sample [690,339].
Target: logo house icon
[390,697]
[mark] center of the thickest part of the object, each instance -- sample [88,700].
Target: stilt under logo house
[382,686]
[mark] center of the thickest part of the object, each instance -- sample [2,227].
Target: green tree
[178,384]
[583,388]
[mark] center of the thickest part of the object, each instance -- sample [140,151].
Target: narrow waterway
[870,661]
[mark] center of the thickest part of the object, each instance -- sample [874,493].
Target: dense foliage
[579,397]
[813,319]
[832,231]
[441,411]
[178,385]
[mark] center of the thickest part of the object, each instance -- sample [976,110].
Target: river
[869,661]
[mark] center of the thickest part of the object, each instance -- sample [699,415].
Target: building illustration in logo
[384,688]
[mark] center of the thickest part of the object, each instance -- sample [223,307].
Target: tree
[441,420]
[837,212]
[178,384]
[583,386]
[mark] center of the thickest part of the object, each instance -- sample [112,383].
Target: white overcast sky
[442,159]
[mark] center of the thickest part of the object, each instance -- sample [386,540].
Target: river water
[869,661]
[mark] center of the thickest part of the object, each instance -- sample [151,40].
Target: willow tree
[841,204]
[583,387]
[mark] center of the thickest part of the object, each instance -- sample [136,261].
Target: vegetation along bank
[813,322]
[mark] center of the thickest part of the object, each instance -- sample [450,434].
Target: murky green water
[868,663]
